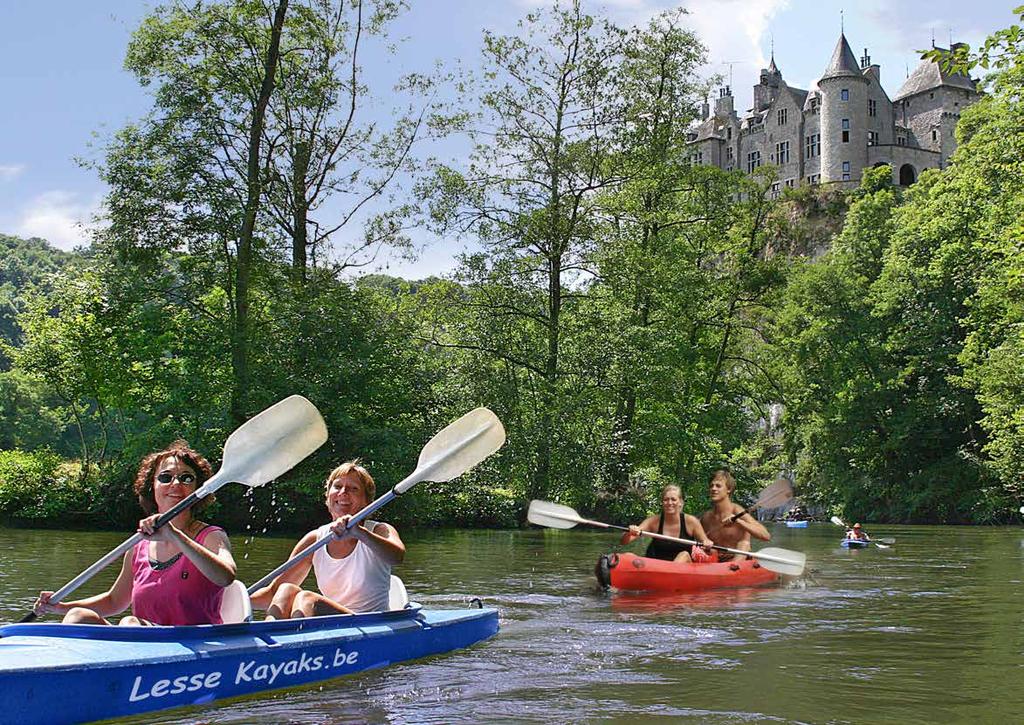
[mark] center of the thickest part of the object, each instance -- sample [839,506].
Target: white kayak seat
[235,607]
[397,596]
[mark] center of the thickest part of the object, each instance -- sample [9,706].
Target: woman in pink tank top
[357,563]
[176,575]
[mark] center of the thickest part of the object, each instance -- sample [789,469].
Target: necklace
[161,565]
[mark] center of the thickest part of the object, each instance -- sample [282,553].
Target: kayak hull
[854,544]
[796,524]
[54,673]
[630,572]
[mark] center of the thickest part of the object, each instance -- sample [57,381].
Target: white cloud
[59,217]
[732,30]
[9,172]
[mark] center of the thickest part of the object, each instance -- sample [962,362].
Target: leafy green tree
[528,194]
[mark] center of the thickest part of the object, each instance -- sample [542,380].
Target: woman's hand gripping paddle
[557,516]
[260,450]
[450,453]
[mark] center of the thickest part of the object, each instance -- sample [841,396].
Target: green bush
[40,485]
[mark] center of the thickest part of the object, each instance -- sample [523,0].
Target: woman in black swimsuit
[670,522]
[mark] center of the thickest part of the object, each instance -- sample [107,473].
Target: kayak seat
[397,596]
[235,607]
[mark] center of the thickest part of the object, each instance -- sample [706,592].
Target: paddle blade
[552,515]
[272,442]
[783,561]
[886,540]
[837,521]
[459,447]
[775,495]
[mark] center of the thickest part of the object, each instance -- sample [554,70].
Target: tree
[528,194]
[192,174]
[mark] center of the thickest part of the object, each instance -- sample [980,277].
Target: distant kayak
[854,544]
[797,524]
[638,573]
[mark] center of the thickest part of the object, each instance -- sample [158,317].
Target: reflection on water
[927,631]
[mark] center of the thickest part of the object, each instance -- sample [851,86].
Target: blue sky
[64,88]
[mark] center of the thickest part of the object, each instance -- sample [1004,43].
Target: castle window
[935,135]
[846,124]
[812,145]
[790,183]
[782,116]
[775,190]
[782,152]
[872,108]
[901,141]
[846,166]
[872,138]
[844,95]
[728,153]
[753,161]
[846,177]
[728,132]
[931,95]
[813,178]
[846,137]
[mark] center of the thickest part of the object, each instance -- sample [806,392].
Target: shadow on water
[927,631]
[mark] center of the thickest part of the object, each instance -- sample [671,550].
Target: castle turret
[768,88]
[844,102]
[724,103]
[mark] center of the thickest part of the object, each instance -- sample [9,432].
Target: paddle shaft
[128,543]
[663,537]
[322,542]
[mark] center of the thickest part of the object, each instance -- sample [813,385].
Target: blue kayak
[854,544]
[796,524]
[57,673]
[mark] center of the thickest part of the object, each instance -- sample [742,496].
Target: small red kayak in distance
[638,573]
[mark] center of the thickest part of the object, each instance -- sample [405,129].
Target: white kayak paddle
[558,516]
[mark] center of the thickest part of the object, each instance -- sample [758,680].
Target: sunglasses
[186,479]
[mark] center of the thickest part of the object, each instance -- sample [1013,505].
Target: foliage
[41,486]
[635,319]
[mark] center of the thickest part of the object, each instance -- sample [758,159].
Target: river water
[930,630]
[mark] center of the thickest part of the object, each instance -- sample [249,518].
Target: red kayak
[638,573]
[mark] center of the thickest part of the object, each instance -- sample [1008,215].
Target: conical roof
[843,63]
[929,75]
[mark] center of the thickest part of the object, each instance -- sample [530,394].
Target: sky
[64,89]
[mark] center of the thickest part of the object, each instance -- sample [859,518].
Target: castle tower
[766,91]
[844,102]
[929,105]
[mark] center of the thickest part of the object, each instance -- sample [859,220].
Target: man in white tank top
[353,572]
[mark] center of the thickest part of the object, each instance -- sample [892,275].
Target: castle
[832,132]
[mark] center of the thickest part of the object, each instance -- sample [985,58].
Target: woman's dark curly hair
[147,472]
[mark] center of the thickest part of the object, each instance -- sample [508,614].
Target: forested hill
[24,263]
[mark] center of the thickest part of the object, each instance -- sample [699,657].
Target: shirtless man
[719,523]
